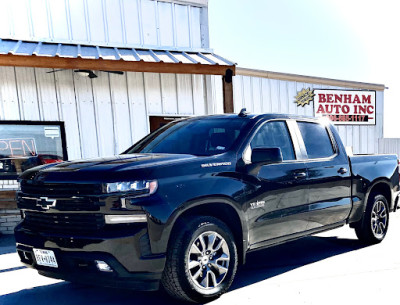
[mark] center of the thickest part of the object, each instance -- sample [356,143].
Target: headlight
[138,188]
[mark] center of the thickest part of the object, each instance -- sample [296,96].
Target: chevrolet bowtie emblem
[45,202]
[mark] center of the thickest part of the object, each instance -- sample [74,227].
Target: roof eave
[111,65]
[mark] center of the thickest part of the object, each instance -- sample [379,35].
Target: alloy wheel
[379,219]
[208,260]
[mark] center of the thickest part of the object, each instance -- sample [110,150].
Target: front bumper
[128,255]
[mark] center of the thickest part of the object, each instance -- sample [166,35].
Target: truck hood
[131,166]
[119,163]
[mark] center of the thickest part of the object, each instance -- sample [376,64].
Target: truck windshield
[203,137]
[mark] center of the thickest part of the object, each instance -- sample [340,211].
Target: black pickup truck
[184,205]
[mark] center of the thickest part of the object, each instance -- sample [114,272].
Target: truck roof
[253,116]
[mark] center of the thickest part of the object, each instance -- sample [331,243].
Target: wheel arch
[381,187]
[221,209]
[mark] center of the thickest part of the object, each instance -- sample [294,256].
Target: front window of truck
[202,137]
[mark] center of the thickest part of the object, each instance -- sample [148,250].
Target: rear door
[329,177]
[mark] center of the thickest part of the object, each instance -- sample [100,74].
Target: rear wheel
[201,261]
[373,226]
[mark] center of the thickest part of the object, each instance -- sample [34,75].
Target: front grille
[62,204]
[60,189]
[62,222]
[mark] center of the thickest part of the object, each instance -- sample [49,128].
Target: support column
[227,86]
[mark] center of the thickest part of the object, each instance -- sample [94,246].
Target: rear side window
[274,134]
[316,139]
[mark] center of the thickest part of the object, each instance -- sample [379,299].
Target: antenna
[243,112]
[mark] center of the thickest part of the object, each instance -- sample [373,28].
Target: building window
[25,144]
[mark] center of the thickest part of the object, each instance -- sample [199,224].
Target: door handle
[342,170]
[299,175]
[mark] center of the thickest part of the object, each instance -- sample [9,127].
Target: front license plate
[45,258]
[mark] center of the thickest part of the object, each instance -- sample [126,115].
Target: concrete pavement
[329,268]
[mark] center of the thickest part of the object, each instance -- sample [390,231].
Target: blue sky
[344,39]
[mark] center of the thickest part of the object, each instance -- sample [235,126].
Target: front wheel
[201,260]
[373,226]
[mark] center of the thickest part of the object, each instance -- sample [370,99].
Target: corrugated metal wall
[263,95]
[389,146]
[105,115]
[130,23]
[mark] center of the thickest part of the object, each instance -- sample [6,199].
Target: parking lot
[329,268]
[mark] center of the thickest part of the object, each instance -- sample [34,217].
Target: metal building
[88,78]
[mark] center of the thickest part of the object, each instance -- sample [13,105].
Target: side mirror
[266,155]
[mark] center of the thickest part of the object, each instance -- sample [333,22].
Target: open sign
[18,147]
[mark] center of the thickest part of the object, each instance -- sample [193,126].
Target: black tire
[178,280]
[373,226]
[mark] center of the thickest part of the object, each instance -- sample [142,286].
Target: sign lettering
[346,106]
[18,147]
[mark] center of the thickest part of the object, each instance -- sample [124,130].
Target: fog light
[103,266]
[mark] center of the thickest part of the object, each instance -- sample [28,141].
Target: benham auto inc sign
[349,107]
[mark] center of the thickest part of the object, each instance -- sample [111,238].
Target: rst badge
[257,204]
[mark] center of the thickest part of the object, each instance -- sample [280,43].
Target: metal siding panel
[389,146]
[47,95]
[247,93]
[68,109]
[59,20]
[256,94]
[363,139]
[5,23]
[371,139]
[379,118]
[342,133]
[182,25]
[8,93]
[122,120]
[104,114]
[266,95]
[185,95]
[275,95]
[96,21]
[291,93]
[149,22]
[132,21]
[204,28]
[153,93]
[114,22]
[78,20]
[136,94]
[27,93]
[166,23]
[218,105]
[195,26]
[237,93]
[86,116]
[356,139]
[40,22]
[349,136]
[20,18]
[168,93]
[283,96]
[199,101]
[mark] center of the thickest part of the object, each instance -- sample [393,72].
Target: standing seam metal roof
[45,49]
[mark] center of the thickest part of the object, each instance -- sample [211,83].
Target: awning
[91,57]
